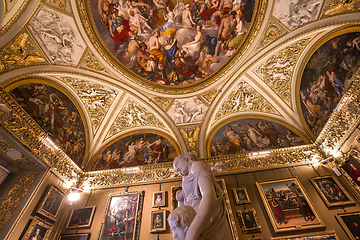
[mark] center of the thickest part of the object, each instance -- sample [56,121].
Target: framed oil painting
[38,229]
[248,221]
[158,221]
[241,196]
[82,236]
[81,217]
[350,222]
[288,206]
[331,191]
[122,216]
[328,235]
[50,205]
[159,199]
[229,212]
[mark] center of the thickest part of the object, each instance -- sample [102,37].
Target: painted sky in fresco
[248,135]
[172,42]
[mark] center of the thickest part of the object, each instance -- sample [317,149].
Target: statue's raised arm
[201,192]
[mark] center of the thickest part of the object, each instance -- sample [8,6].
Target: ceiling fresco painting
[326,77]
[136,150]
[296,13]
[174,42]
[56,114]
[187,111]
[58,36]
[249,135]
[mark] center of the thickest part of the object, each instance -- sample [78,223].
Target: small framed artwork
[241,196]
[38,229]
[328,235]
[248,221]
[288,206]
[350,222]
[50,205]
[331,191]
[81,217]
[82,236]
[158,221]
[174,203]
[159,199]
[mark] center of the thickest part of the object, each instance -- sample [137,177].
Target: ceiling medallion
[13,154]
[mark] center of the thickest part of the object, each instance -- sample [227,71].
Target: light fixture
[74,194]
[326,160]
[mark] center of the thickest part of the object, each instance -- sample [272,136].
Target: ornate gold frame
[343,225]
[40,222]
[271,214]
[85,225]
[322,195]
[296,237]
[138,214]
[237,197]
[41,209]
[164,198]
[242,222]
[155,230]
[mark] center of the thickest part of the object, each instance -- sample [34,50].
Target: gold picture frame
[51,203]
[288,205]
[248,220]
[229,212]
[331,191]
[241,196]
[81,217]
[309,236]
[350,222]
[37,224]
[159,199]
[158,221]
[123,208]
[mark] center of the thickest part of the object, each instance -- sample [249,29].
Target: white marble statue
[201,192]
[180,220]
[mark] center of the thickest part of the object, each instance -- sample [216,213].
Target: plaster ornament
[201,192]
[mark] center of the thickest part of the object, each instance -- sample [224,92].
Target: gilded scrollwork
[96,98]
[92,63]
[210,95]
[272,33]
[161,102]
[341,6]
[244,99]
[20,53]
[278,69]
[133,115]
[14,197]
[191,136]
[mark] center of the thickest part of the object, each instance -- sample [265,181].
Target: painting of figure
[245,135]
[326,77]
[56,114]
[172,42]
[134,150]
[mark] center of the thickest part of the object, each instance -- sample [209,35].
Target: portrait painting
[331,191]
[172,42]
[38,229]
[241,196]
[288,206]
[81,217]
[158,221]
[327,235]
[350,222]
[159,199]
[122,216]
[326,77]
[248,135]
[82,236]
[136,149]
[229,212]
[50,204]
[56,114]
[248,221]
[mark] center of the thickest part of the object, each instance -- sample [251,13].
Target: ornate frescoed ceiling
[123,100]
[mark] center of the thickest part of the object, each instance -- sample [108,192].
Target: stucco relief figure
[201,192]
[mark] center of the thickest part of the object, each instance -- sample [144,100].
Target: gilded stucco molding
[161,102]
[341,6]
[191,137]
[93,63]
[61,4]
[14,197]
[133,115]
[278,70]
[96,98]
[88,25]
[243,99]
[210,95]
[20,159]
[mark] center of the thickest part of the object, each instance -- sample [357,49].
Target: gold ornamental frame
[306,235]
[41,224]
[154,229]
